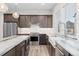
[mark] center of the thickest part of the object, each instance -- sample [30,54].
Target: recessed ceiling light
[3,7]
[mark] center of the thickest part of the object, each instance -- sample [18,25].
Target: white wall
[60,9]
[58,16]
[32,12]
[35,12]
[1,25]
[77,21]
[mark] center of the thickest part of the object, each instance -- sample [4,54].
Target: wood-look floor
[38,50]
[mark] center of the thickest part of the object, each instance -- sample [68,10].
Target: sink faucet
[74,38]
[71,37]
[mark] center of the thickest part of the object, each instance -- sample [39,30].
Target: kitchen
[39,29]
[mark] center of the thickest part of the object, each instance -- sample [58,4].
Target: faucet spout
[74,38]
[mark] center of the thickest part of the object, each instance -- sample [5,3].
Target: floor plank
[38,50]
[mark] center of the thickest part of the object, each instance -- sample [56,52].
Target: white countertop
[9,44]
[68,45]
[52,41]
[6,38]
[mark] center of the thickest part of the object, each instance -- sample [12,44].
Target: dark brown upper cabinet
[49,21]
[9,18]
[24,21]
[44,21]
[34,19]
[43,39]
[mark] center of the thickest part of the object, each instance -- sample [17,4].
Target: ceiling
[30,6]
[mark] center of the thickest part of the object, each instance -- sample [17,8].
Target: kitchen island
[9,44]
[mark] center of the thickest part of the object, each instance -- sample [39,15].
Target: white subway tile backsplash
[48,31]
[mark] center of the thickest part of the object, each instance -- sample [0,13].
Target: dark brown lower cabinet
[51,49]
[27,47]
[43,39]
[10,53]
[57,51]
[19,50]
[60,51]
[23,51]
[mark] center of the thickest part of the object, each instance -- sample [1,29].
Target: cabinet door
[42,39]
[49,21]
[34,19]
[49,48]
[20,49]
[27,47]
[23,50]
[52,50]
[28,21]
[24,21]
[43,21]
[10,53]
